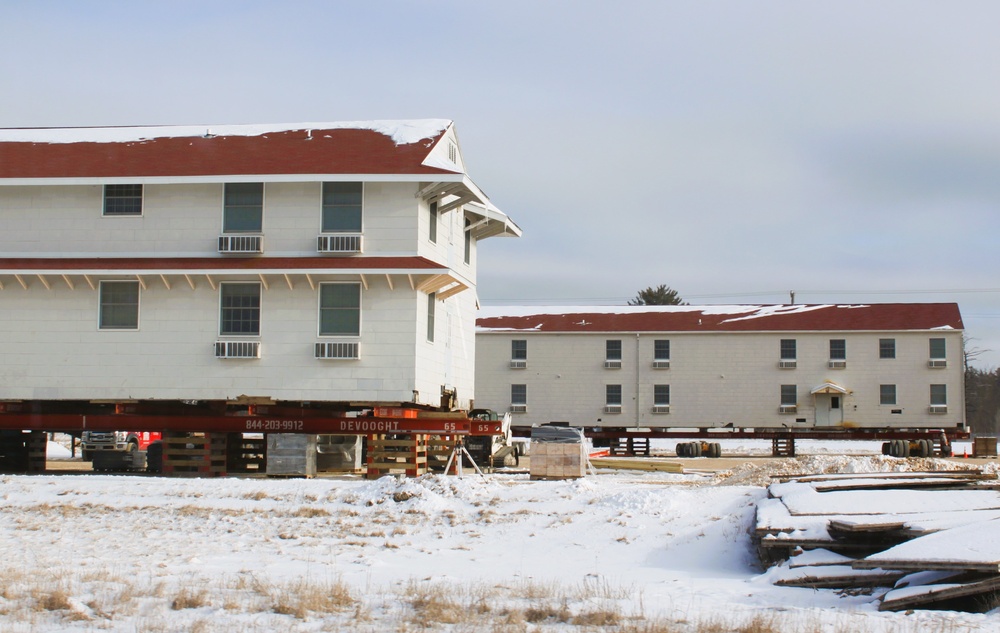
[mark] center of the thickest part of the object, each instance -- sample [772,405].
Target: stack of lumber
[915,540]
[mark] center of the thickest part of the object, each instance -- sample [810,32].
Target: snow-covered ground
[615,551]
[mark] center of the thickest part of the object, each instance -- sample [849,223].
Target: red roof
[834,318]
[286,152]
[68,265]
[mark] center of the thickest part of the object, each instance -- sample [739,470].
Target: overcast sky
[735,151]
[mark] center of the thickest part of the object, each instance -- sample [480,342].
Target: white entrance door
[829,409]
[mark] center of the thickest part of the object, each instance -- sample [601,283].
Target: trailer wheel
[926,448]
[681,449]
[906,447]
[696,446]
[895,449]
[715,450]
[886,448]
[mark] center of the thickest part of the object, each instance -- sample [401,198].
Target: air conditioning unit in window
[241,243]
[837,364]
[787,364]
[237,349]
[937,363]
[612,364]
[613,408]
[938,408]
[338,351]
[518,408]
[661,364]
[788,408]
[518,364]
[341,243]
[661,408]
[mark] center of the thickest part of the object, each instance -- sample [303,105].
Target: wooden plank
[637,464]
[911,597]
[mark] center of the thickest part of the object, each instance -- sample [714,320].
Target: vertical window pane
[789,395]
[433,228]
[243,209]
[939,394]
[122,199]
[519,350]
[613,350]
[661,395]
[240,309]
[613,395]
[519,394]
[887,348]
[342,205]
[787,349]
[838,349]
[937,349]
[661,350]
[887,394]
[431,298]
[340,309]
[468,242]
[119,308]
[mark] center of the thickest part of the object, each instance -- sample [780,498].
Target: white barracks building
[893,366]
[321,262]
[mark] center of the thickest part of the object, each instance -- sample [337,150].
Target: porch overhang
[830,388]
[415,273]
[485,219]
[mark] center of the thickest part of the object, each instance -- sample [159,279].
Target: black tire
[886,448]
[926,448]
[906,447]
[681,449]
[696,449]
[86,456]
[716,450]
[132,447]
[896,448]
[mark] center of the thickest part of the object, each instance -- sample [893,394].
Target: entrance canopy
[830,388]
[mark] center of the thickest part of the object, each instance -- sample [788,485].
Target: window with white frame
[119,305]
[789,395]
[340,309]
[613,395]
[887,348]
[342,207]
[887,394]
[787,349]
[661,395]
[243,207]
[468,242]
[240,309]
[431,300]
[613,350]
[519,349]
[432,231]
[120,200]
[939,395]
[938,349]
[661,350]
[519,395]
[838,349]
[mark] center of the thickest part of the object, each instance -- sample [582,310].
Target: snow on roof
[798,317]
[390,149]
[402,132]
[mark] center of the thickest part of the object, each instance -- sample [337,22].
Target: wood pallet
[630,447]
[245,454]
[390,454]
[194,454]
[22,452]
[783,447]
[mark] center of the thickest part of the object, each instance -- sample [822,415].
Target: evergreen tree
[660,296]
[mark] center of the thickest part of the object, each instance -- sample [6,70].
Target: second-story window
[342,207]
[613,350]
[340,309]
[519,350]
[787,349]
[122,200]
[838,349]
[243,208]
[432,231]
[613,395]
[937,349]
[661,349]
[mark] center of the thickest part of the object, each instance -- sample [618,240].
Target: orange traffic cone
[966,455]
